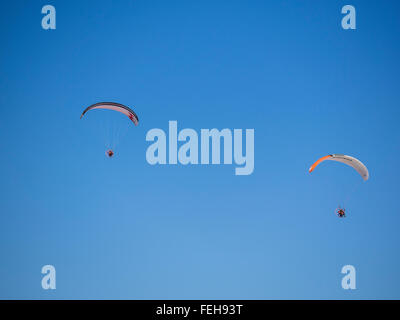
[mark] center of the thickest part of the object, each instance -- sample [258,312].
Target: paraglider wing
[352,162]
[116,107]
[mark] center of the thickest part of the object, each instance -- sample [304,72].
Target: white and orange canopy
[352,162]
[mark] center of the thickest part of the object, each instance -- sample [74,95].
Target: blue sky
[123,229]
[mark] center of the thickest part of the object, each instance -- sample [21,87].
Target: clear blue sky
[122,228]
